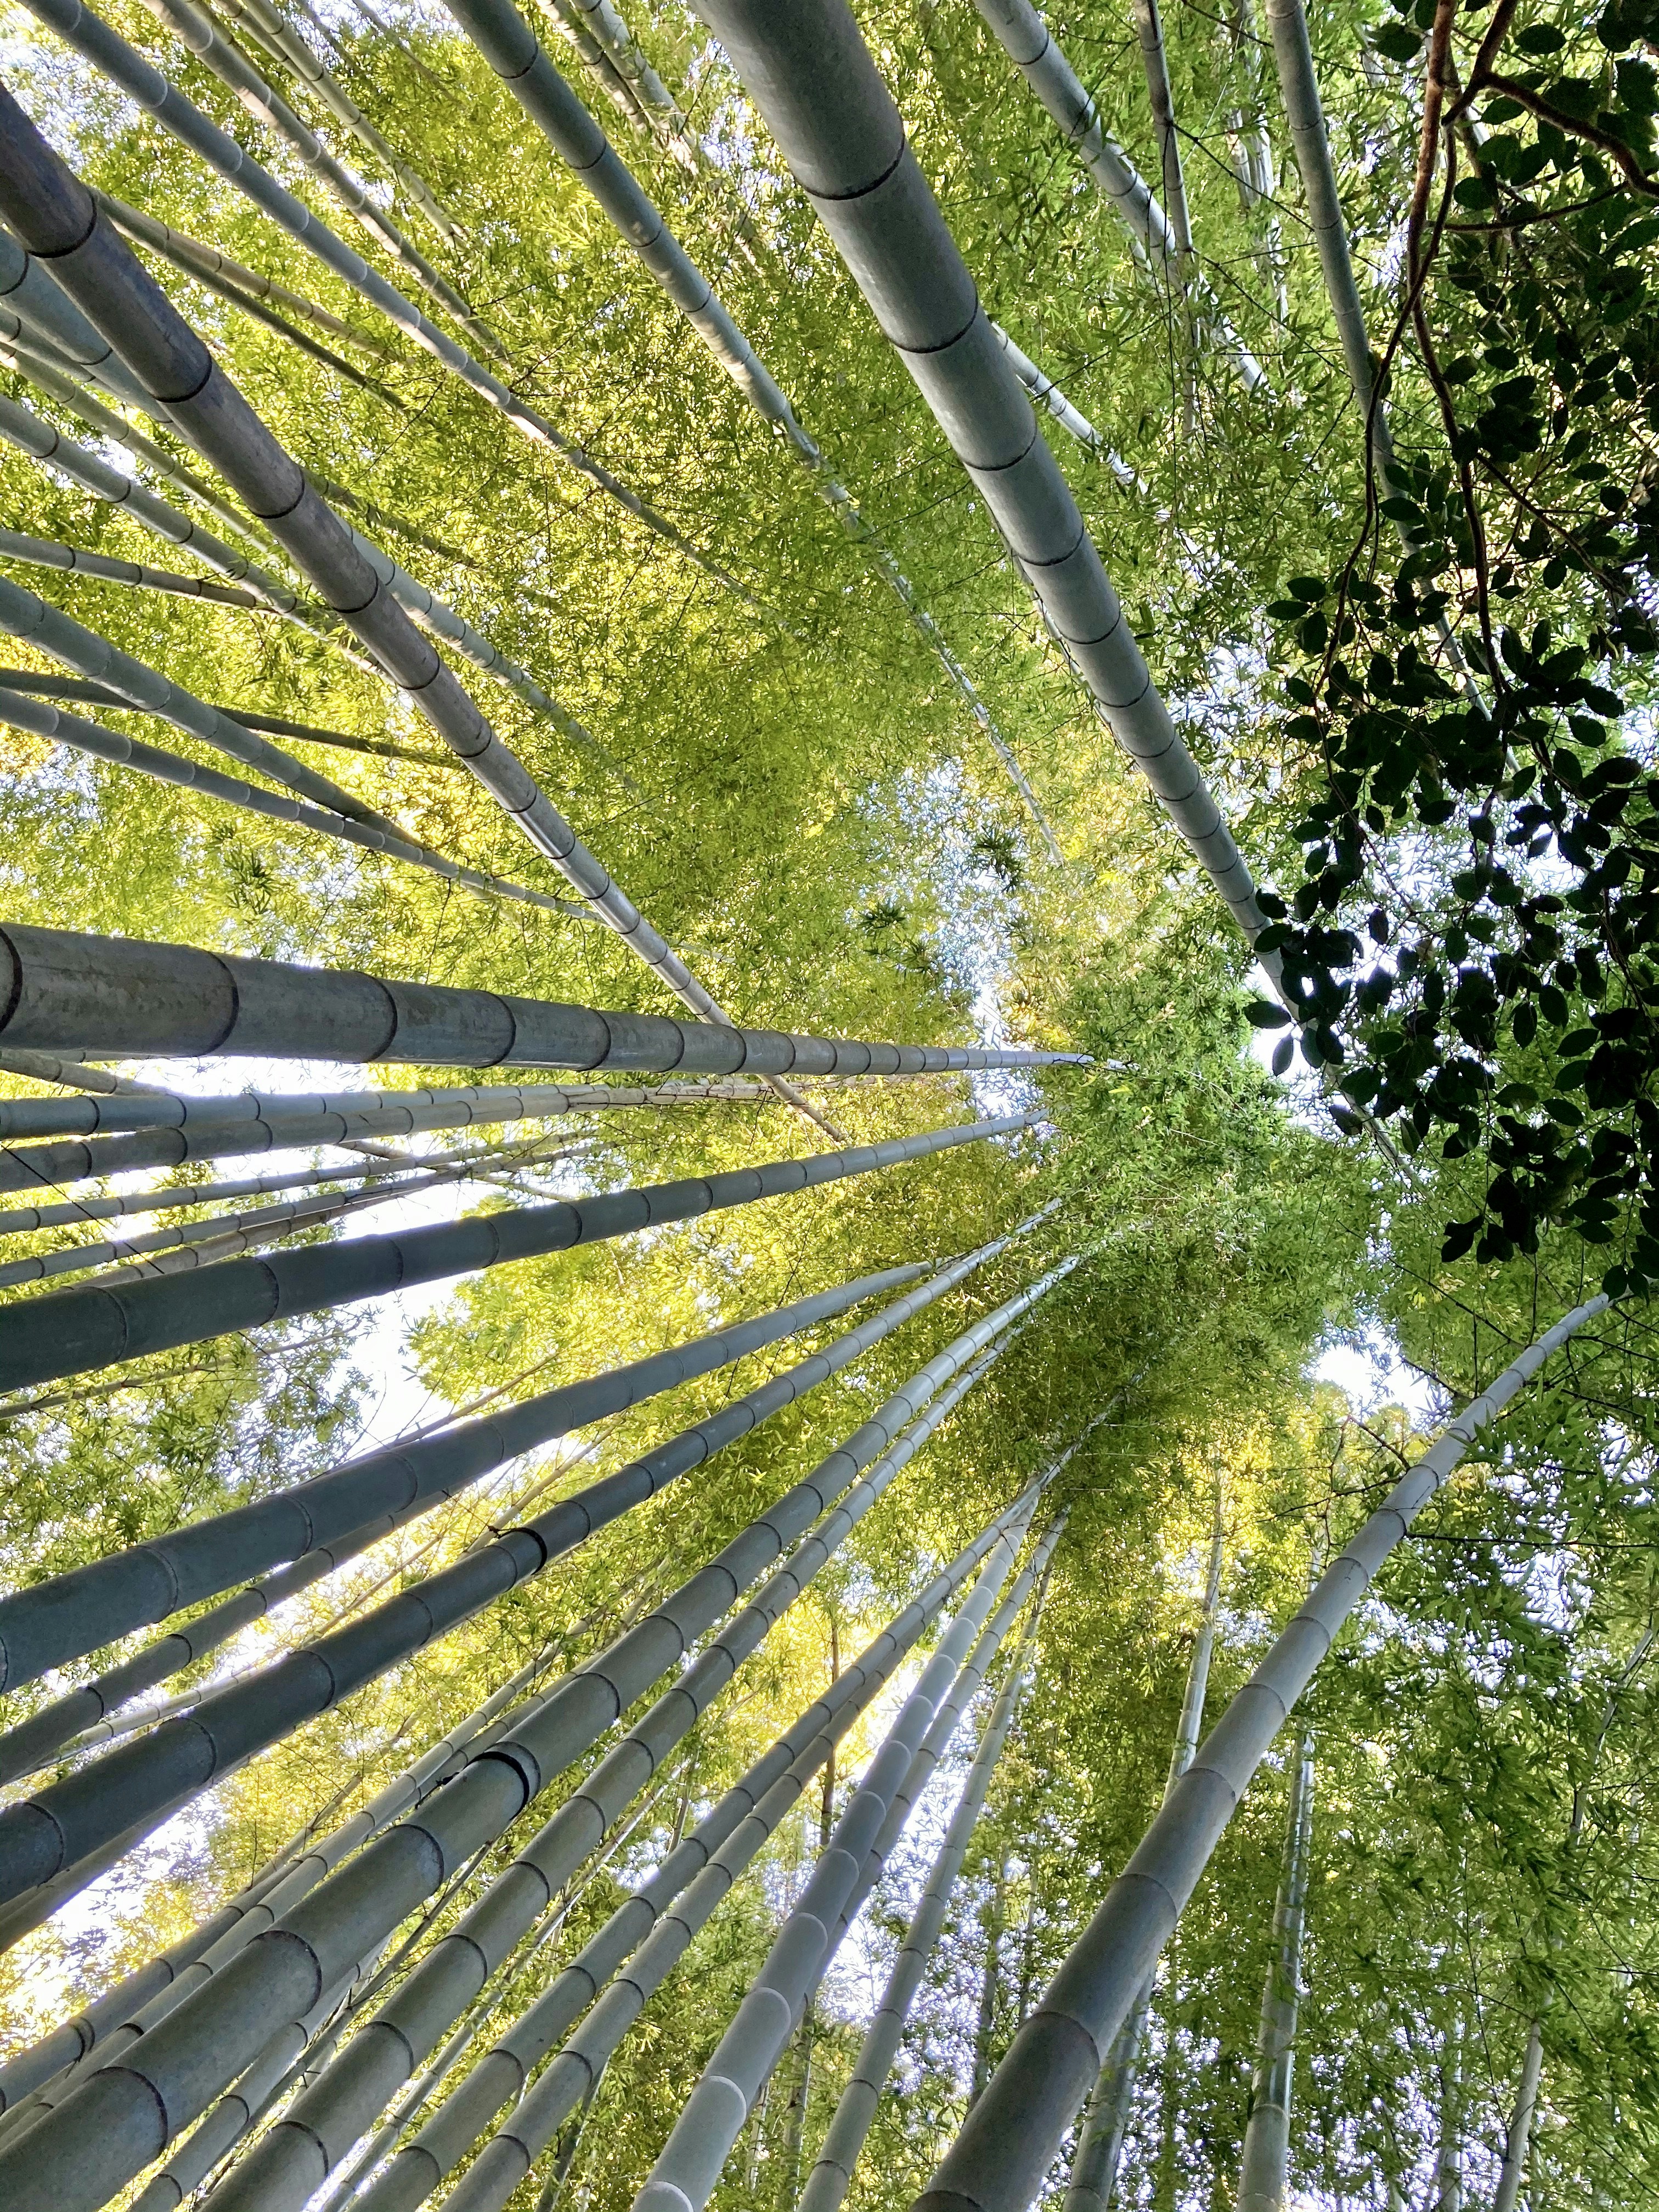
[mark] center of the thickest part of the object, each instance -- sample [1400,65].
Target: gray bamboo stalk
[1310,141]
[289,2166]
[35,684]
[131,1590]
[512,51]
[207,264]
[197,1244]
[26,616]
[142,83]
[1259,183]
[1030,45]
[1149,30]
[1264,2168]
[74,1331]
[831,2176]
[86,1810]
[47,2070]
[32,434]
[1093,2181]
[553,1921]
[851,154]
[41,719]
[504,2071]
[1008,2140]
[688,2166]
[660,1921]
[281,40]
[1046,394]
[572,27]
[31,299]
[99,268]
[78,561]
[612,34]
[1517,2139]
[226,2019]
[220,54]
[279,1220]
[72,1075]
[97,415]
[46,443]
[144,1001]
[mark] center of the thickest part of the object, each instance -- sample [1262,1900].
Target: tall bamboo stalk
[41,719]
[290,2165]
[512,51]
[129,1589]
[831,2176]
[1299,90]
[207,265]
[1008,2140]
[120,998]
[282,41]
[75,1331]
[661,1923]
[30,296]
[25,616]
[1264,2169]
[1046,394]
[1030,45]
[79,561]
[1149,32]
[109,52]
[688,2166]
[1093,2182]
[219,53]
[50,1830]
[850,154]
[37,189]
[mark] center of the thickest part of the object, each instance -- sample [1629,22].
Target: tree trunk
[1043,2081]
[1264,2171]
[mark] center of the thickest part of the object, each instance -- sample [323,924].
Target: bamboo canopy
[557,1655]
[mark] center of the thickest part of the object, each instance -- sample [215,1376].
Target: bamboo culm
[1030,45]
[1304,113]
[213,1238]
[78,561]
[1045,393]
[817,88]
[30,297]
[41,719]
[221,55]
[512,51]
[48,204]
[84,1608]
[205,2041]
[25,616]
[42,1836]
[48,2071]
[504,2073]
[1092,2184]
[75,23]
[639,1946]
[121,998]
[1149,30]
[1011,2135]
[284,43]
[206,263]
[831,2176]
[75,1331]
[1264,2168]
[688,2166]
[33,685]
[343,2102]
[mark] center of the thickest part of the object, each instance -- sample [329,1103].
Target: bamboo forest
[829,1105]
